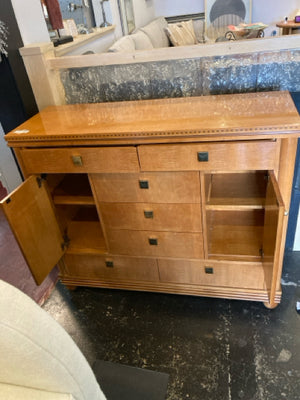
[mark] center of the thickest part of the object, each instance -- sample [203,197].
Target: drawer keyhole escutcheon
[153,241]
[202,156]
[77,160]
[144,184]
[148,214]
[209,270]
[109,263]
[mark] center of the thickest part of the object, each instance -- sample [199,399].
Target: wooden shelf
[73,189]
[235,191]
[235,235]
[86,237]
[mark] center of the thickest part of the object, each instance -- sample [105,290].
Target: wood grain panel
[122,268]
[165,217]
[179,187]
[31,216]
[243,275]
[230,156]
[169,244]
[94,159]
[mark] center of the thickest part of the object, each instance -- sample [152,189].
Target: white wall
[144,12]
[31,21]
[9,173]
[297,235]
[272,11]
[168,8]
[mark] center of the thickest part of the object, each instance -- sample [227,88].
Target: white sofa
[155,35]
[38,359]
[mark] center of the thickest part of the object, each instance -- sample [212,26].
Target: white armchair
[38,359]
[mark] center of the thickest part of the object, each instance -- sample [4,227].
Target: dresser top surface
[221,117]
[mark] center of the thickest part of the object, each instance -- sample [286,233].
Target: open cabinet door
[30,213]
[274,213]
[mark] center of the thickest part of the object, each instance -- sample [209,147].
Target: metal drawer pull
[144,184]
[109,263]
[77,160]
[202,156]
[209,270]
[148,214]
[152,241]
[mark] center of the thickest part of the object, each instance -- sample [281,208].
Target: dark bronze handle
[148,214]
[143,184]
[77,160]
[109,263]
[153,241]
[209,270]
[202,156]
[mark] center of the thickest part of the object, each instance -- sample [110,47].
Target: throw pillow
[181,33]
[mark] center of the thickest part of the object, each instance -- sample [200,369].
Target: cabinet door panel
[179,187]
[31,216]
[272,238]
[151,216]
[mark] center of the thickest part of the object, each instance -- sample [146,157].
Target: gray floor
[212,349]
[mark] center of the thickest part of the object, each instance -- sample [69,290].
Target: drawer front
[154,243]
[111,267]
[250,275]
[164,187]
[151,216]
[229,156]
[72,160]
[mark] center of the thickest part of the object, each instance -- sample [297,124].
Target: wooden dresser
[187,196]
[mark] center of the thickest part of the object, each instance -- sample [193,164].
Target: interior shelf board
[235,241]
[85,237]
[74,200]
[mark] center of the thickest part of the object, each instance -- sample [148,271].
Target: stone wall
[263,71]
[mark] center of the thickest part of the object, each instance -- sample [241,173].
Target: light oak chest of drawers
[187,196]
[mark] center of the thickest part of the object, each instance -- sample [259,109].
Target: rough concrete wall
[278,70]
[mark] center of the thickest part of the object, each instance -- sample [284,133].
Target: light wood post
[45,82]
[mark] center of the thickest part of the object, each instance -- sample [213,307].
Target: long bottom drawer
[243,275]
[111,268]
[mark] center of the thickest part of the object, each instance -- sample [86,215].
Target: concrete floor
[212,349]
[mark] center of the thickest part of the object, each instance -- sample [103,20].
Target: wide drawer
[247,275]
[162,187]
[152,216]
[228,156]
[154,243]
[72,160]
[111,267]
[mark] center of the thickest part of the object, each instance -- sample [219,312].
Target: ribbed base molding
[193,290]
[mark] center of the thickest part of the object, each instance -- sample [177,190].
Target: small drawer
[72,160]
[162,187]
[247,275]
[111,268]
[154,243]
[151,216]
[226,156]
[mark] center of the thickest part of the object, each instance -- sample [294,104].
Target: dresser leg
[270,306]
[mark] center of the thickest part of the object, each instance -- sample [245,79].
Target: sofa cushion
[141,41]
[181,33]
[13,392]
[123,44]
[155,30]
[36,352]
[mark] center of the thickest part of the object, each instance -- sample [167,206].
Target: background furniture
[39,360]
[288,27]
[187,195]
